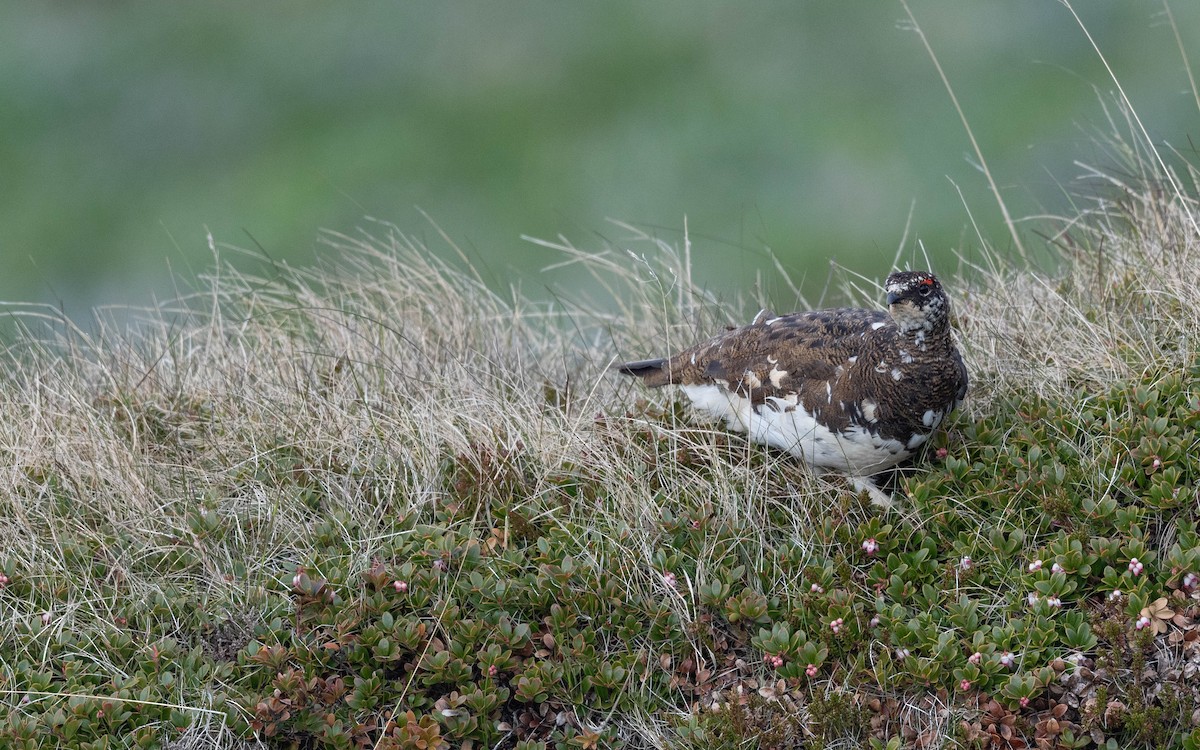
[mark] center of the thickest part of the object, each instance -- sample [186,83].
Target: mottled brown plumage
[848,389]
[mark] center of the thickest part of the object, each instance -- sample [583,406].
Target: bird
[854,391]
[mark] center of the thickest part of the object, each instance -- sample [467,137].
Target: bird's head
[916,302]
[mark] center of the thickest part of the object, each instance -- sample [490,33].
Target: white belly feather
[854,451]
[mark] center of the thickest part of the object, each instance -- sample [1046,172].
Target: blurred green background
[130,129]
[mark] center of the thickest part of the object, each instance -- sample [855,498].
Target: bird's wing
[778,357]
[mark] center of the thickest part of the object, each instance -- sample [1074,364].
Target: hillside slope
[381,505]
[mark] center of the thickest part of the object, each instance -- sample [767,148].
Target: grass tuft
[379,504]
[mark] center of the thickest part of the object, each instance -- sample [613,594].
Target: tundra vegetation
[378,504]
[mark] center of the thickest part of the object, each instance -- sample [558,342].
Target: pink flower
[1136,567]
[46,618]
[1055,602]
[1032,598]
[774,660]
[817,589]
[400,586]
[1115,595]
[492,670]
[1190,581]
[296,579]
[975,658]
[965,685]
[1035,566]
[3,580]
[941,453]
[966,563]
[811,670]
[902,654]
[1007,659]
[1056,568]
[669,579]
[1024,702]
[836,625]
[440,566]
[875,621]
[1142,623]
[870,546]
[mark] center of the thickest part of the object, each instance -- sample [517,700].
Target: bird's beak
[892,297]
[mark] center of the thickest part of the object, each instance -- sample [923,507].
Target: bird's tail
[653,372]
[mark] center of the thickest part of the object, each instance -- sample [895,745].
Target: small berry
[1035,566]
[1136,567]
[870,546]
[400,586]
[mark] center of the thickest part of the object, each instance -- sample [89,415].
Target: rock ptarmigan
[849,390]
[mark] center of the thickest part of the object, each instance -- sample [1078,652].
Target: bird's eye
[926,291]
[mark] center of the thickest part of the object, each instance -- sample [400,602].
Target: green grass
[379,505]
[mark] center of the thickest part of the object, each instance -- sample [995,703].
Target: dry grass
[1124,295]
[340,392]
